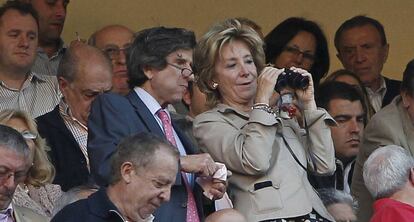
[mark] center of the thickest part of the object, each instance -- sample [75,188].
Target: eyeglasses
[185,72]
[28,135]
[295,51]
[18,176]
[114,52]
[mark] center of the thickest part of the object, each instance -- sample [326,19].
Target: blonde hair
[42,170]
[209,49]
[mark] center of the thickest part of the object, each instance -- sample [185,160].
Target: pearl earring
[215,85]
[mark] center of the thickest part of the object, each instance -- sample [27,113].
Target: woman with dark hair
[300,43]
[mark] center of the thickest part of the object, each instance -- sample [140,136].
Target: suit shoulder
[24,214]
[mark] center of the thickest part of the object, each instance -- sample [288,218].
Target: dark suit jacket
[65,153]
[96,208]
[393,90]
[114,117]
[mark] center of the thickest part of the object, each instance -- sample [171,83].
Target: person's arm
[319,145]
[376,134]
[320,148]
[245,148]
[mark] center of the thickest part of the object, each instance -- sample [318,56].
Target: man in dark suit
[139,161]
[159,68]
[83,73]
[363,49]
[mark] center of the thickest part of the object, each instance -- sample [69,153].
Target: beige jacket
[391,125]
[23,214]
[267,182]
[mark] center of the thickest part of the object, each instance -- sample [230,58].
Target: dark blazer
[65,154]
[96,208]
[114,117]
[393,90]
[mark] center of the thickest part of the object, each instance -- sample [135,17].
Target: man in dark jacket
[143,169]
[83,73]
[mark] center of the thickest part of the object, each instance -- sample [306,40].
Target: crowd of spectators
[156,125]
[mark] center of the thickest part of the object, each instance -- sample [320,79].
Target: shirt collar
[381,89]
[149,101]
[31,77]
[64,110]
[8,209]
[61,48]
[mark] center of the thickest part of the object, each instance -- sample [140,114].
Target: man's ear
[405,100]
[386,49]
[149,72]
[411,179]
[63,84]
[127,170]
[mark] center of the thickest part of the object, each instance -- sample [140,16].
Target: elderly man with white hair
[389,176]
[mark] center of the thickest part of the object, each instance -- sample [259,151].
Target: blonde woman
[37,192]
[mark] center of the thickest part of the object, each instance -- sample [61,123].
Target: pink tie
[192,214]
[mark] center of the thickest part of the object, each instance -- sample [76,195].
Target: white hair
[387,170]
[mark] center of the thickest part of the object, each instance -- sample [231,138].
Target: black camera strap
[293,154]
[310,153]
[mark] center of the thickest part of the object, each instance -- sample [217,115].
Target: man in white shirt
[19,87]
[363,49]
[159,67]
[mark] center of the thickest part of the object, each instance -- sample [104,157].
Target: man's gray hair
[12,140]
[75,56]
[331,196]
[387,170]
[138,149]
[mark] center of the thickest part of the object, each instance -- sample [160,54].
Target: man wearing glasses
[14,165]
[114,41]
[159,69]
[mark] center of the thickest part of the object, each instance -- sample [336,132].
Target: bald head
[80,56]
[84,72]
[113,40]
[111,34]
[226,215]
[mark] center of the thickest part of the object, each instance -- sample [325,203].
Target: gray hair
[75,56]
[331,196]
[139,149]
[10,139]
[387,170]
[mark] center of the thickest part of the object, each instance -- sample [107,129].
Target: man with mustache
[21,88]
[345,104]
[14,166]
[52,15]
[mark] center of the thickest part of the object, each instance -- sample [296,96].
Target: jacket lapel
[144,114]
